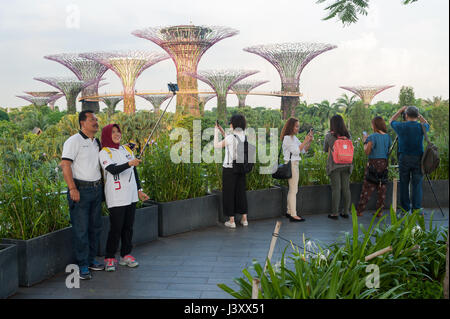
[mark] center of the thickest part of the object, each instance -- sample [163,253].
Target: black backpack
[430,157]
[245,157]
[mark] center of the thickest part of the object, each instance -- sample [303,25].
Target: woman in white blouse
[292,148]
[234,198]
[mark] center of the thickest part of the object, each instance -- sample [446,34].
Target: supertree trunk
[90,105]
[71,104]
[222,107]
[288,103]
[129,103]
[241,99]
[187,103]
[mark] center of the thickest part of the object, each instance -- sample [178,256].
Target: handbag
[430,158]
[284,171]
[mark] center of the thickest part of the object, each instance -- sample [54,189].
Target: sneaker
[110,264]
[129,261]
[84,273]
[244,223]
[95,265]
[230,225]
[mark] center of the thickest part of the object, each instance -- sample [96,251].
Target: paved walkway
[190,265]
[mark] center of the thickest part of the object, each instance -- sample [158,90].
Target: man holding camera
[410,150]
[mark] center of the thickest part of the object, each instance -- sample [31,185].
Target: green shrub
[31,201]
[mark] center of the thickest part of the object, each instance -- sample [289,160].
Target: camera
[173,87]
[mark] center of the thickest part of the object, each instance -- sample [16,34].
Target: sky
[394,44]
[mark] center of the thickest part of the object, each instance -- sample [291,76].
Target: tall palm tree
[346,103]
[435,101]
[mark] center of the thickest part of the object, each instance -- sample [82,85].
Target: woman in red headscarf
[122,192]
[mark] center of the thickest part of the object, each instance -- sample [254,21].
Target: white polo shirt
[83,153]
[120,189]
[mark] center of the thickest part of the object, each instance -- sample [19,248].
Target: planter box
[43,257]
[317,199]
[145,227]
[186,215]
[262,203]
[9,273]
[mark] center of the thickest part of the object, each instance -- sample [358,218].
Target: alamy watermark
[373,278]
[73,279]
[73,16]
[180,152]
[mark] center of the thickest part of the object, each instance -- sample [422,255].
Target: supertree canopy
[42,93]
[85,70]
[368,92]
[111,102]
[128,65]
[54,94]
[69,86]
[289,59]
[242,88]
[155,100]
[40,100]
[221,81]
[186,44]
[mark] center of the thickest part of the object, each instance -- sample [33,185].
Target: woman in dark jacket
[339,173]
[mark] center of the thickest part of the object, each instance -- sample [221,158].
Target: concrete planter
[317,199]
[262,203]
[43,257]
[145,227]
[9,273]
[186,215]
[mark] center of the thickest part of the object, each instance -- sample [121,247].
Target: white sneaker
[230,225]
[129,261]
[244,223]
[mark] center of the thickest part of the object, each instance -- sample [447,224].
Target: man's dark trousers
[410,170]
[86,220]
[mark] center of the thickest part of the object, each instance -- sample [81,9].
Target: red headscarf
[107,136]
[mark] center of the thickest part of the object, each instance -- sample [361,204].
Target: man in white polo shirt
[82,174]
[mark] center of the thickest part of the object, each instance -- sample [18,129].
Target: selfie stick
[173,88]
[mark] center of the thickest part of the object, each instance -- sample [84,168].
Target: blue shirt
[410,137]
[380,145]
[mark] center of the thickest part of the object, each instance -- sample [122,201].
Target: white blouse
[290,145]
[230,146]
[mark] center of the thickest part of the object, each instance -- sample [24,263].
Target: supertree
[289,59]
[202,100]
[51,103]
[368,92]
[128,65]
[155,100]
[186,44]
[243,88]
[40,100]
[69,86]
[221,81]
[111,103]
[85,70]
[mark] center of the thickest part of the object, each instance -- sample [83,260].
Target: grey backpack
[430,157]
